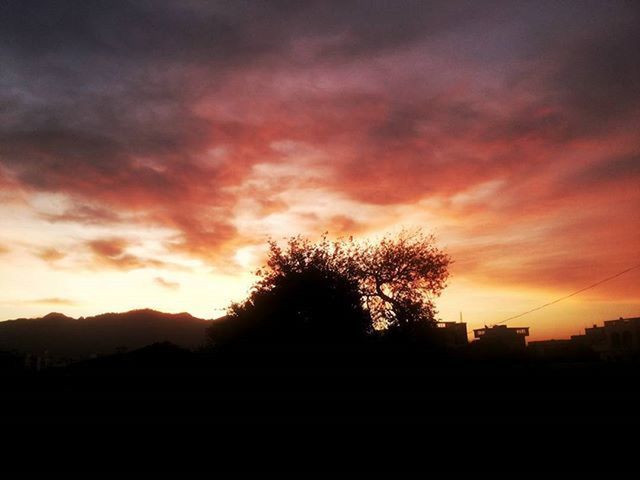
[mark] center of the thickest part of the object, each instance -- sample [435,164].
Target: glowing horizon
[146,154]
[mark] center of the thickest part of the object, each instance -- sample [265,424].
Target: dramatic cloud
[84,214]
[511,128]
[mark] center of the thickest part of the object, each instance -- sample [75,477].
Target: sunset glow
[148,150]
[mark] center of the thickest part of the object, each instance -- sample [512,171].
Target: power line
[568,296]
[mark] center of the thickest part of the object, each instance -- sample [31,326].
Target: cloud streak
[224,123]
[168,284]
[112,253]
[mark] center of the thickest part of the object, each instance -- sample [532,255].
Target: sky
[148,149]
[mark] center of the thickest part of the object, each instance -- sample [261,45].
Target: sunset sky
[149,148]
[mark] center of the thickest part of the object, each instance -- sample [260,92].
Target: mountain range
[61,336]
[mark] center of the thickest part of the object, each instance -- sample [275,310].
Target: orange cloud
[111,252]
[166,283]
[52,301]
[50,254]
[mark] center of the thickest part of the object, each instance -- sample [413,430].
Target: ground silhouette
[60,336]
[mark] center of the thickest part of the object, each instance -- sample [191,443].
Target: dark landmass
[62,337]
[374,405]
[322,408]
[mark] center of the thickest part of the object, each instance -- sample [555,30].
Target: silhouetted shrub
[340,291]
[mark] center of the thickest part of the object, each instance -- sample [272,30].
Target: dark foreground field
[169,409]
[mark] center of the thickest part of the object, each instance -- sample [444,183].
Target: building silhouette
[453,334]
[563,349]
[501,338]
[614,339]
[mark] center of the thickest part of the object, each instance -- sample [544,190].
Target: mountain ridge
[150,311]
[62,336]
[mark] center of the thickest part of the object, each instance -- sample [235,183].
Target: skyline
[149,149]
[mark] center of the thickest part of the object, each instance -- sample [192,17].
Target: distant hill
[64,336]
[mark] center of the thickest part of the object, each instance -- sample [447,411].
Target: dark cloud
[609,172]
[596,79]
[141,29]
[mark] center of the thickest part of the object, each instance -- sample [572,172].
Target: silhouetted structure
[37,362]
[502,338]
[546,348]
[561,350]
[616,338]
[452,334]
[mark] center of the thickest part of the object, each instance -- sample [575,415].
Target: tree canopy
[339,290]
[399,278]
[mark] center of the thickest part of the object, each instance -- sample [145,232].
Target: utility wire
[568,296]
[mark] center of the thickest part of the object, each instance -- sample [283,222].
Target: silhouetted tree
[306,293]
[399,279]
[333,291]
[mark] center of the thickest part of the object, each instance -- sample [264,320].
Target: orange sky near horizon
[147,153]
